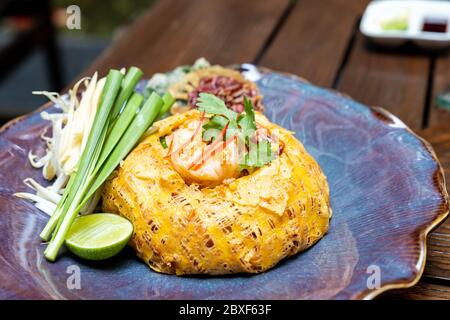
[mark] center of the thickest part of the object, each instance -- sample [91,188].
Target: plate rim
[382,115]
[386,115]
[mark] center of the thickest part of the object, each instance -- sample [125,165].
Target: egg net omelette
[246,225]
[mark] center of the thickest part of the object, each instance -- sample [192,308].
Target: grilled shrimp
[199,162]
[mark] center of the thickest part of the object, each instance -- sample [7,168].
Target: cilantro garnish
[210,104]
[247,121]
[243,125]
[259,154]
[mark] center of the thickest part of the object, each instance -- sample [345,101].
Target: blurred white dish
[397,21]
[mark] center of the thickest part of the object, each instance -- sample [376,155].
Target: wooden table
[320,41]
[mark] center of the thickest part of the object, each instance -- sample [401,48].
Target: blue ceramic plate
[387,192]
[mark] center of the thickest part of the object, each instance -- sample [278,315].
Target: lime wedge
[98,236]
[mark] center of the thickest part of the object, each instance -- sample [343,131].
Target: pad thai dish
[198,180]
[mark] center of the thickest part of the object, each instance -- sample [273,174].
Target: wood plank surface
[176,32]
[438,255]
[313,41]
[421,291]
[438,246]
[392,79]
[441,84]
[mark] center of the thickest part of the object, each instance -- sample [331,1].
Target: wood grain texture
[176,32]
[439,137]
[421,291]
[438,246]
[312,42]
[438,257]
[393,79]
[441,84]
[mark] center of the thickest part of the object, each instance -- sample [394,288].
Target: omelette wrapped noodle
[246,223]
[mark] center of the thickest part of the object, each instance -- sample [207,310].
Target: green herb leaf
[212,129]
[163,142]
[210,104]
[248,121]
[241,125]
[259,154]
[211,134]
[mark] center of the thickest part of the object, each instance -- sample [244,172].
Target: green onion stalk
[83,175]
[118,125]
[109,93]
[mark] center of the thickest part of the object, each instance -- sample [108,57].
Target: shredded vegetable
[91,135]
[70,129]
